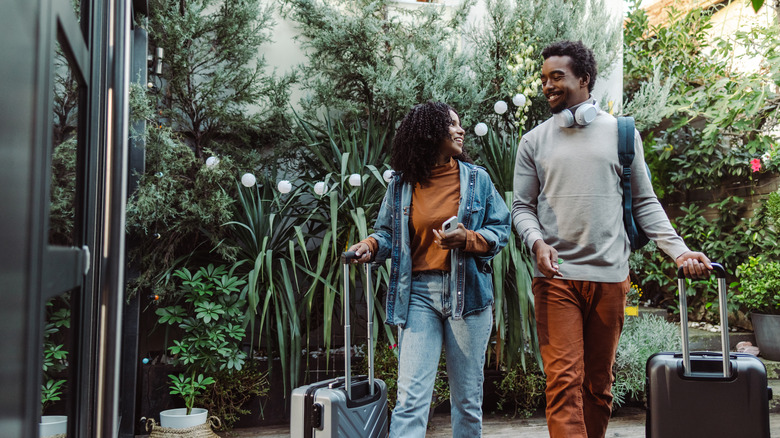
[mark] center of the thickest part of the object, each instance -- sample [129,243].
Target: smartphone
[449,225]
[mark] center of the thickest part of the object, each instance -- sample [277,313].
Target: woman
[441,290]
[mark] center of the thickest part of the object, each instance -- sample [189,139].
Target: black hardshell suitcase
[353,407]
[706,394]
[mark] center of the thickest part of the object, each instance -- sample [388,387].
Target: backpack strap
[626,156]
[626,141]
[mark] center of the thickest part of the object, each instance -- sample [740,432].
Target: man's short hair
[582,61]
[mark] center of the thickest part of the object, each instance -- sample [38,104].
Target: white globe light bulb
[387,175]
[481,129]
[320,188]
[519,100]
[500,107]
[284,186]
[248,180]
[355,180]
[211,162]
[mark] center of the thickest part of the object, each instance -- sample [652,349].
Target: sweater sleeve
[526,191]
[648,212]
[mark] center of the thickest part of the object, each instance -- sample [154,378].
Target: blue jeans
[429,326]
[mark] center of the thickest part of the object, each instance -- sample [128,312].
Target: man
[568,209]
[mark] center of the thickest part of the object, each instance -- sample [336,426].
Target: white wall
[609,87]
[740,15]
[284,53]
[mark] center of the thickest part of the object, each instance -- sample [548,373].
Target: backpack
[636,236]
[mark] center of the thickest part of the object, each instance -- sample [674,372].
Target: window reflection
[55,382]
[62,212]
[56,385]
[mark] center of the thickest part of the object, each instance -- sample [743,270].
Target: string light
[284,186]
[355,180]
[248,180]
[519,100]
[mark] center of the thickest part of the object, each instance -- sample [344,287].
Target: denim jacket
[481,209]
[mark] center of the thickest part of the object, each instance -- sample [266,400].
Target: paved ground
[626,423]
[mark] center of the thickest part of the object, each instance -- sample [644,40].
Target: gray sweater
[567,192]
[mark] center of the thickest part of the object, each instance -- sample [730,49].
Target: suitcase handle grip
[724,321]
[346,256]
[717,268]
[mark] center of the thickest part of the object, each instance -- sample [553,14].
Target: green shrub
[211,317]
[642,336]
[759,285]
[522,389]
[231,391]
[734,119]
[726,239]
[215,84]
[55,355]
[772,205]
[210,314]
[385,369]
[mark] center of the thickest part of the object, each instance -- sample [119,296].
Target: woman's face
[454,144]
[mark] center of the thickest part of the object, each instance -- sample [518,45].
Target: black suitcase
[345,406]
[706,394]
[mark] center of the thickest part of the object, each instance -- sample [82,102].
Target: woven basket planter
[200,431]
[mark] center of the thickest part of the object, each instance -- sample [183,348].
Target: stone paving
[626,423]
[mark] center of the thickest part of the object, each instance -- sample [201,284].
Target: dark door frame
[97,44]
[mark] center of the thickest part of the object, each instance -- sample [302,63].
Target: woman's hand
[452,240]
[362,253]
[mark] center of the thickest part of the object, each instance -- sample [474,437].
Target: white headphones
[583,115]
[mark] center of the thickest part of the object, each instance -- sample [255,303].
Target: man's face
[560,86]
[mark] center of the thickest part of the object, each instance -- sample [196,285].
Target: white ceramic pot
[53,425]
[178,418]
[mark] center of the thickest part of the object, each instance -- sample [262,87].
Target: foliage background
[702,122]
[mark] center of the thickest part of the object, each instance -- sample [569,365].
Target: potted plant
[759,286]
[633,299]
[209,311]
[52,425]
[187,387]
[54,363]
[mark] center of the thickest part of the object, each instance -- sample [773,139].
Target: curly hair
[417,140]
[582,61]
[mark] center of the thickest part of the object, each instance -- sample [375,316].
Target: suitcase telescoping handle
[724,319]
[346,258]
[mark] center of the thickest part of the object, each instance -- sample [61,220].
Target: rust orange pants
[579,325]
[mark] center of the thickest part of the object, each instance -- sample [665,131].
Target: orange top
[432,204]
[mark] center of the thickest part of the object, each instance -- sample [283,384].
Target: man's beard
[558,108]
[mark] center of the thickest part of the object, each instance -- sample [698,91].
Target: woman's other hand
[362,253]
[452,240]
